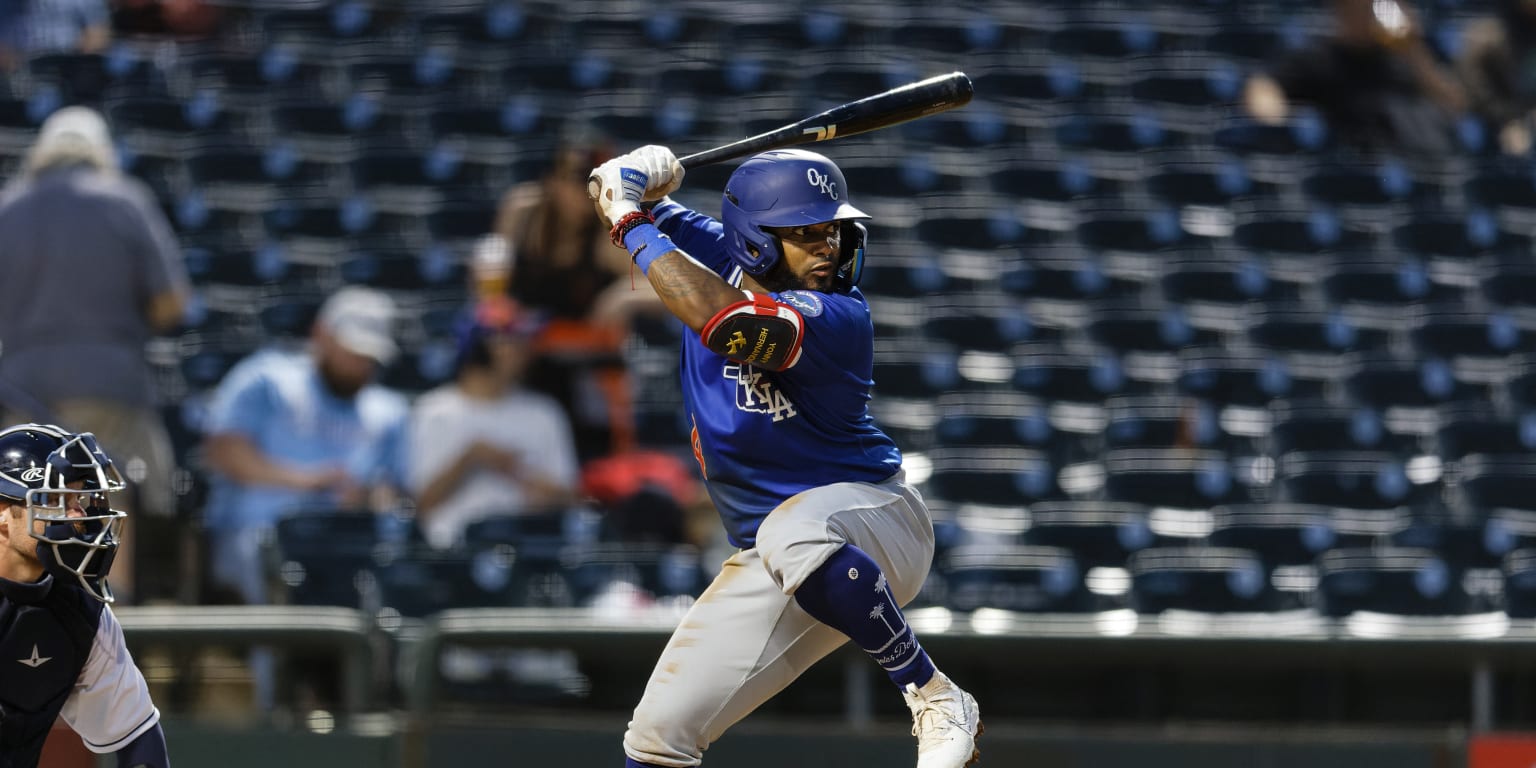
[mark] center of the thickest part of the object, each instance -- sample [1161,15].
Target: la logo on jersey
[756,393]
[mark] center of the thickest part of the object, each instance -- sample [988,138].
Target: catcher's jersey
[63,655]
[760,436]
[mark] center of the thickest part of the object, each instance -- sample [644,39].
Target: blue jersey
[762,436]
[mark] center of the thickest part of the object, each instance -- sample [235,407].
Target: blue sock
[849,593]
[630,762]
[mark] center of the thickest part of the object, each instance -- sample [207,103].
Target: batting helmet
[781,188]
[66,481]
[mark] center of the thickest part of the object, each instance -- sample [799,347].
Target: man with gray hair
[92,270]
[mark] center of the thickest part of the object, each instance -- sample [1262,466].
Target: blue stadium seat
[1162,422]
[980,230]
[1014,578]
[1217,279]
[1447,332]
[1384,381]
[1363,278]
[1280,534]
[1491,481]
[996,330]
[995,475]
[1508,280]
[1231,377]
[1317,425]
[1457,237]
[1173,477]
[328,557]
[1057,181]
[1217,185]
[1131,37]
[1392,580]
[660,571]
[1134,133]
[1050,372]
[1148,330]
[1203,579]
[1353,479]
[1288,327]
[1465,428]
[915,373]
[993,418]
[1381,185]
[1058,80]
[1097,533]
[1316,232]
[290,317]
[1519,569]
[1065,273]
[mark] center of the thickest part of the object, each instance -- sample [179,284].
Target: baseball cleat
[946,722]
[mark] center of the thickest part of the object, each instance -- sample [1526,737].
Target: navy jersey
[762,436]
[63,655]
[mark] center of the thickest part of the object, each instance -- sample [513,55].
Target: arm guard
[147,751]
[758,331]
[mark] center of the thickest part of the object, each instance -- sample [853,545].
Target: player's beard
[781,278]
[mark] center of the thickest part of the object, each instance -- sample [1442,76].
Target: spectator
[1374,80]
[81,301]
[564,267]
[294,431]
[31,27]
[1498,65]
[483,445]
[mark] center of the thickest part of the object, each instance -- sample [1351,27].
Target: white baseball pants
[746,638]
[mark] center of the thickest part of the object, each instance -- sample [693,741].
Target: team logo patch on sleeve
[808,303]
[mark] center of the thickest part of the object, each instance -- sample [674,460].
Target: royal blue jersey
[762,436]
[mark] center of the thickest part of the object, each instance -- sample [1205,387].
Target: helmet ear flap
[850,259]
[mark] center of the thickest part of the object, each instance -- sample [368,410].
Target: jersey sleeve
[698,235]
[837,332]
[110,705]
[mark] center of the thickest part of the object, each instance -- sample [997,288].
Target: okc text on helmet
[818,179]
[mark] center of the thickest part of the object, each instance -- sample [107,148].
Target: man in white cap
[93,270]
[294,431]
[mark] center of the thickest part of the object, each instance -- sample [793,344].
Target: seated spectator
[1498,65]
[31,27]
[483,445]
[564,267]
[290,431]
[1373,79]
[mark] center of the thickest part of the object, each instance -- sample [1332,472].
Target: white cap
[362,320]
[73,134]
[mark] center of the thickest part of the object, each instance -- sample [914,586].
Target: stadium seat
[994,330]
[1097,533]
[420,582]
[1050,372]
[1519,570]
[1391,580]
[1354,479]
[1447,332]
[1384,381]
[915,373]
[992,418]
[1465,428]
[1490,481]
[328,557]
[1368,185]
[1067,273]
[1234,377]
[1203,579]
[1456,237]
[659,571]
[1317,425]
[1161,422]
[1054,182]
[1130,329]
[1218,185]
[1368,279]
[1286,327]
[1030,579]
[995,475]
[1216,279]
[1172,477]
[1317,232]
[1280,534]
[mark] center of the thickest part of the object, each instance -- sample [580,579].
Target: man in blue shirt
[833,539]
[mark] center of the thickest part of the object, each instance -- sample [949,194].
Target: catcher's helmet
[66,481]
[786,188]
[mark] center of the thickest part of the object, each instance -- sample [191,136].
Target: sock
[630,762]
[849,593]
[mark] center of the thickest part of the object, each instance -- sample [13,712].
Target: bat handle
[593,186]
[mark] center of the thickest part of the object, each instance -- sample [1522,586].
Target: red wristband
[628,222]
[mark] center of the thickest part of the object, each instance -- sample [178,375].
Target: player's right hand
[619,185]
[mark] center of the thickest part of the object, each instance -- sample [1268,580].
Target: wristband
[626,223]
[646,244]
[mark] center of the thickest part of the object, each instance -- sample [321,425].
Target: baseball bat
[882,110]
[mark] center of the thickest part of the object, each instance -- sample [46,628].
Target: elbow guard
[758,331]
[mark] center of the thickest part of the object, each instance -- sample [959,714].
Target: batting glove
[648,173]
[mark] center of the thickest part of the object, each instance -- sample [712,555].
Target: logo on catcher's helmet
[818,179]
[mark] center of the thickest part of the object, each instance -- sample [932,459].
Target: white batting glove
[619,185]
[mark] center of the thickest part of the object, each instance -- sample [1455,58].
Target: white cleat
[946,722]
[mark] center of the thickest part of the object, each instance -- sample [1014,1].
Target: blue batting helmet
[781,188]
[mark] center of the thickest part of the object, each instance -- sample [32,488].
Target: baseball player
[832,538]
[61,649]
